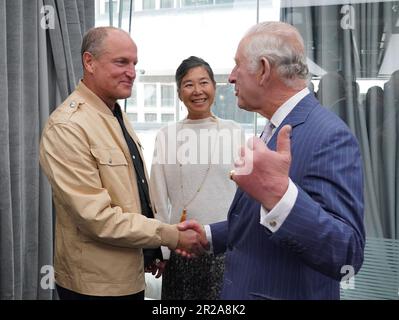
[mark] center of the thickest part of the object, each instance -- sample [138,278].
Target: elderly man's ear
[264,71]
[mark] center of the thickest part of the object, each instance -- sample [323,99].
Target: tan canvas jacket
[99,226]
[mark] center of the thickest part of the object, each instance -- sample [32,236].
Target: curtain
[353,42]
[39,67]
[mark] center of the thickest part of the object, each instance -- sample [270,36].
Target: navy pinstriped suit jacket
[323,232]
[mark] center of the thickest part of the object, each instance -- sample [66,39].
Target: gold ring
[232,172]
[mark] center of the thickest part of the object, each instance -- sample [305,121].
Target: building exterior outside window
[168,95]
[150,117]
[150,95]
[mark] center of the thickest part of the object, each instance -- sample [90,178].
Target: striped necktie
[267,132]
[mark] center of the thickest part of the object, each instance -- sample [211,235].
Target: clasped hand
[192,239]
[192,243]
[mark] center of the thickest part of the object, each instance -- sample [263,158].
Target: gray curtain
[39,67]
[349,42]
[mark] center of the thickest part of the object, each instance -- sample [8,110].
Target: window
[114,7]
[150,95]
[225,105]
[150,117]
[148,4]
[167,95]
[131,104]
[126,6]
[166,4]
[194,3]
[132,117]
[167,117]
[223,1]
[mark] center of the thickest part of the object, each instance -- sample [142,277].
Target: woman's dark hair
[188,64]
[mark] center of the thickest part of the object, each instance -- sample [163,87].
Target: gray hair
[93,40]
[282,45]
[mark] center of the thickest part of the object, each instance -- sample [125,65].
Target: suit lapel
[296,117]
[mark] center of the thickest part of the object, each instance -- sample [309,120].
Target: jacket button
[72,104]
[110,161]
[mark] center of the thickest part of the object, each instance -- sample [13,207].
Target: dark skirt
[193,279]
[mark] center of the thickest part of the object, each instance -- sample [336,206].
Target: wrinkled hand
[263,173]
[189,244]
[199,229]
[156,268]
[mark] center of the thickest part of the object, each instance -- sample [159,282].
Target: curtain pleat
[6,218]
[38,69]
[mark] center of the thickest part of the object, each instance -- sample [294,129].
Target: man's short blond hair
[94,38]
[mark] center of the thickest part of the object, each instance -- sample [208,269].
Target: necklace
[186,204]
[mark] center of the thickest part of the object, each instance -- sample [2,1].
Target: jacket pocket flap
[110,157]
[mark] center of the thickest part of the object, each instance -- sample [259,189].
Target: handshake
[192,243]
[192,239]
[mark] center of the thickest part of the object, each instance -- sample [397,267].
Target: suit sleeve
[325,227]
[219,234]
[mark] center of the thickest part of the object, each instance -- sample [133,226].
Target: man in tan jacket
[92,158]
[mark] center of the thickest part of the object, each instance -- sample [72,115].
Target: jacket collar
[296,117]
[92,99]
[300,113]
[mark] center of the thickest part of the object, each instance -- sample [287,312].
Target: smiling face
[111,74]
[197,91]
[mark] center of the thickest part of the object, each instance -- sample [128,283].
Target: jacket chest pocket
[109,157]
[113,169]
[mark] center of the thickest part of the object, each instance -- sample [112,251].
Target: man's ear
[88,60]
[264,72]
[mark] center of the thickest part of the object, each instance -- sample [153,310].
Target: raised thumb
[284,140]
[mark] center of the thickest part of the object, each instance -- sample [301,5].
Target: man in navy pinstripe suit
[295,226]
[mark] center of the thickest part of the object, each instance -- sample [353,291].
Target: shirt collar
[92,99]
[282,112]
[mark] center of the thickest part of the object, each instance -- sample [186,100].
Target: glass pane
[166,4]
[150,117]
[165,37]
[114,5]
[148,4]
[131,104]
[194,3]
[167,117]
[223,1]
[150,95]
[167,95]
[132,117]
